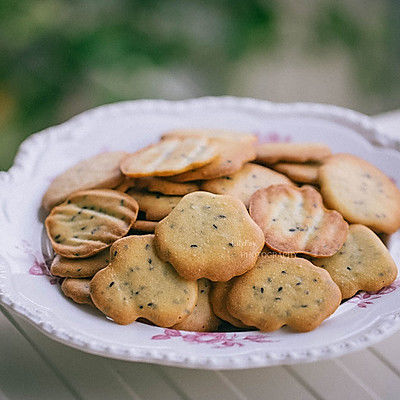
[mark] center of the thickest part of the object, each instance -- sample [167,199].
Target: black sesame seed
[193,245]
[269,279]
[230,244]
[215,226]
[83,228]
[278,298]
[150,260]
[283,272]
[147,246]
[92,216]
[280,288]
[122,202]
[202,291]
[112,283]
[57,236]
[69,202]
[292,230]
[298,283]
[348,268]
[150,304]
[140,307]
[262,290]
[115,253]
[221,216]
[315,280]
[304,306]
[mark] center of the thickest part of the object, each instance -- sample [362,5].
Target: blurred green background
[60,57]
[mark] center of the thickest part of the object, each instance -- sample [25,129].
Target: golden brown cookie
[281,291]
[137,283]
[162,185]
[245,182]
[169,157]
[360,192]
[144,226]
[218,298]
[209,236]
[98,172]
[155,206]
[77,289]
[233,154]
[271,153]
[79,267]
[363,263]
[202,319]
[302,173]
[294,220]
[89,221]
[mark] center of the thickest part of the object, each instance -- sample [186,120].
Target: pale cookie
[137,283]
[77,289]
[363,263]
[127,183]
[360,192]
[209,236]
[271,153]
[169,157]
[202,319]
[155,206]
[218,297]
[98,172]
[283,291]
[161,185]
[245,182]
[144,226]
[294,220]
[302,173]
[89,221]
[210,133]
[233,154]
[79,267]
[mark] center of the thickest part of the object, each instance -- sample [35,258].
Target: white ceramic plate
[362,321]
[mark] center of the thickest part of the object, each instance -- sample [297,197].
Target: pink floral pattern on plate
[364,299]
[39,266]
[273,137]
[217,340]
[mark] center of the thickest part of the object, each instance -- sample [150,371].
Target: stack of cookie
[226,232]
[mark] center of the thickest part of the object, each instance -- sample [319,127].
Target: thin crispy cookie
[77,289]
[218,298]
[294,220]
[89,221]
[162,185]
[245,182]
[360,192]
[169,157]
[155,206]
[144,226]
[302,173]
[138,284]
[79,267]
[363,263]
[233,154]
[209,236]
[283,291]
[202,319]
[271,153]
[98,172]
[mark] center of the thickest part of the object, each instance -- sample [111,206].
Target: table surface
[32,366]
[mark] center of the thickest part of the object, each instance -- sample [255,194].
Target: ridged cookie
[155,206]
[294,220]
[98,172]
[169,157]
[209,236]
[281,291]
[202,319]
[232,155]
[360,192]
[137,284]
[89,221]
[363,263]
[271,153]
[79,267]
[245,182]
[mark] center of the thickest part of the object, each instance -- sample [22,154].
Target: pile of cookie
[206,228]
